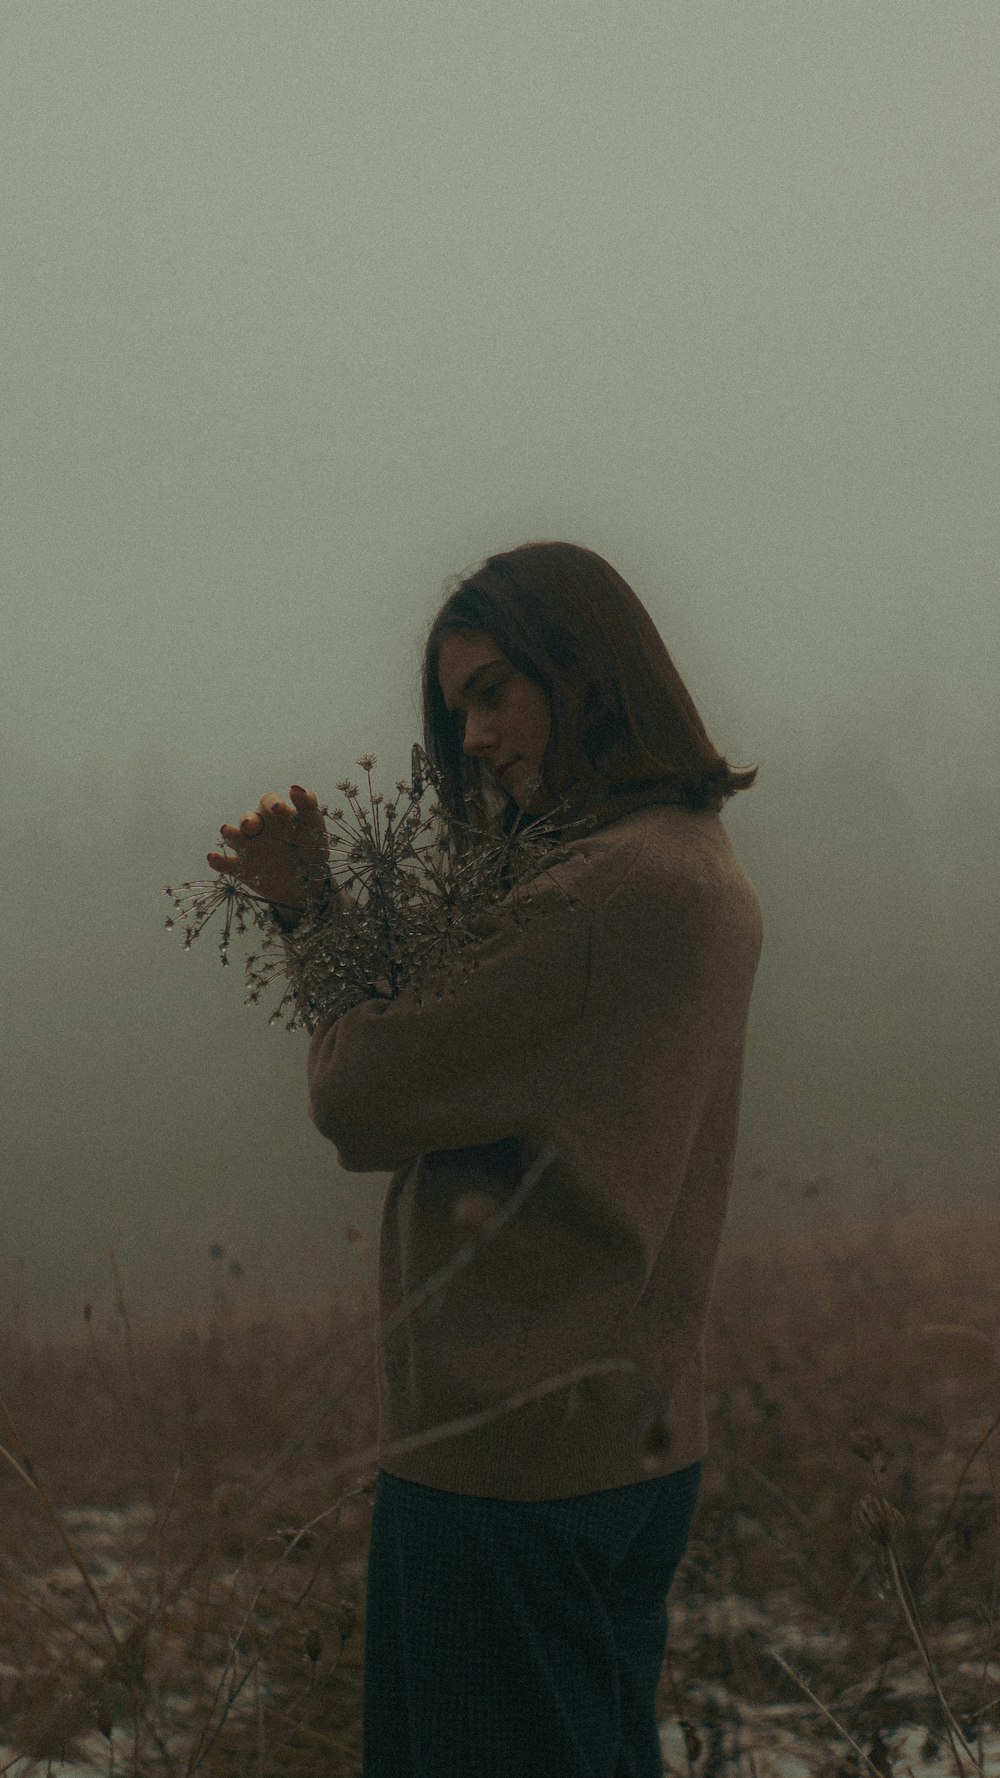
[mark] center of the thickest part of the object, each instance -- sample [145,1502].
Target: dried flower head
[866,1444]
[876,1519]
[409,889]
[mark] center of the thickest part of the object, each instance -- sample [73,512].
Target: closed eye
[488,694]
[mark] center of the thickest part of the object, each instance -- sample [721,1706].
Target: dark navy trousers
[519,1639]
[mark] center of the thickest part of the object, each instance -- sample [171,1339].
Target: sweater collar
[617,801]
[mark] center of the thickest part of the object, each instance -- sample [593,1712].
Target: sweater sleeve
[391,1080]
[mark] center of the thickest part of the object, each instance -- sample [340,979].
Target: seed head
[411,908]
[865,1443]
[876,1519]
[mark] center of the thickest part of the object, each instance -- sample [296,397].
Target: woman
[528,1520]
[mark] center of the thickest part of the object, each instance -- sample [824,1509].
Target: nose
[480,735]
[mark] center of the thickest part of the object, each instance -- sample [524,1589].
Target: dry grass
[156,1616]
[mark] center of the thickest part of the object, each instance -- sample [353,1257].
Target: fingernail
[297,790]
[247,825]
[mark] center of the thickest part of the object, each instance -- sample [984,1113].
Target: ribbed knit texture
[611,1023]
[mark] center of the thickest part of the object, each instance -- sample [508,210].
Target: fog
[309,308]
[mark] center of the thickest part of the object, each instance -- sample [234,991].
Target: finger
[270,804]
[307,804]
[230,834]
[221,861]
[250,823]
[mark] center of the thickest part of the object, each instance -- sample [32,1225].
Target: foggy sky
[308,309]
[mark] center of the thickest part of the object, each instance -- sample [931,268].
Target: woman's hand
[282,854]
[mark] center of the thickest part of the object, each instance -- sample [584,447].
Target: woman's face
[504,717]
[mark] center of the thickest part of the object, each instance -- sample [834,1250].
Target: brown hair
[621,714]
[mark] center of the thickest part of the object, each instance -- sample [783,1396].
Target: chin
[537,803]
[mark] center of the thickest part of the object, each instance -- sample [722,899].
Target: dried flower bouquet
[414,909]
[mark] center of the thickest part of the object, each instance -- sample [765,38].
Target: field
[183,1538]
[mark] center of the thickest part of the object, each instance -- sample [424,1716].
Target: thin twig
[42,1605]
[912,1616]
[437,1282]
[811,1694]
[37,1488]
[234,1639]
[949,1509]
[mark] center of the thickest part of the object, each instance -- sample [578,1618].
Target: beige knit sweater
[606,1038]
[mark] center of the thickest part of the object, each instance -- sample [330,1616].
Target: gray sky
[306,310]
